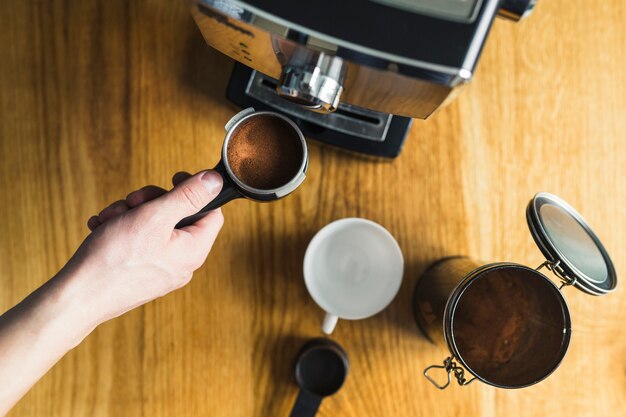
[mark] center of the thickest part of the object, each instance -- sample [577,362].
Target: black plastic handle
[306,405]
[229,192]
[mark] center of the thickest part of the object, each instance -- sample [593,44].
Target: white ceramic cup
[353,269]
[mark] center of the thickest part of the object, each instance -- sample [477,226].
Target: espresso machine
[351,73]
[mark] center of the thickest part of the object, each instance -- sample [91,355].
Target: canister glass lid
[572,249]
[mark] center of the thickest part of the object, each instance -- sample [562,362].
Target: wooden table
[99,98]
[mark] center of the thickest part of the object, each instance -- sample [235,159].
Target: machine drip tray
[350,127]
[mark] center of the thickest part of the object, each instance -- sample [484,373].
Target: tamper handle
[306,405]
[229,192]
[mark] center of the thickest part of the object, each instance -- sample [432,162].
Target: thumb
[190,196]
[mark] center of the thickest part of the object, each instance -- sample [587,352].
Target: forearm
[37,332]
[133,256]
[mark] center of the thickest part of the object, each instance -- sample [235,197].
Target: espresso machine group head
[351,73]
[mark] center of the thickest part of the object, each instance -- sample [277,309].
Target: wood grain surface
[98,98]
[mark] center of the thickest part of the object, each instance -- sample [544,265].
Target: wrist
[65,307]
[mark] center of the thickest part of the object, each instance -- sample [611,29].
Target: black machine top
[441,32]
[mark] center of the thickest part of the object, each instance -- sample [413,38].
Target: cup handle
[229,192]
[329,323]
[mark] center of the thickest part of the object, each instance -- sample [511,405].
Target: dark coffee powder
[264,152]
[509,326]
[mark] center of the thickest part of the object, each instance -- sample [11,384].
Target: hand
[134,199]
[134,254]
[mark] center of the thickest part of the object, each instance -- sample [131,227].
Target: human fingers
[93,223]
[187,198]
[112,210]
[143,195]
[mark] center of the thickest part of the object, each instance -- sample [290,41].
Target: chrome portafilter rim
[277,192]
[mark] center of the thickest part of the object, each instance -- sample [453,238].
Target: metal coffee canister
[506,324]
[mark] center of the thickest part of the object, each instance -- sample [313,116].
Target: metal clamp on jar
[506,324]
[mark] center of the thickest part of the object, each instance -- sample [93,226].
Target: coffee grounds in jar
[509,326]
[264,152]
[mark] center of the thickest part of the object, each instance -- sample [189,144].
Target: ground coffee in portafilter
[265,152]
[509,327]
